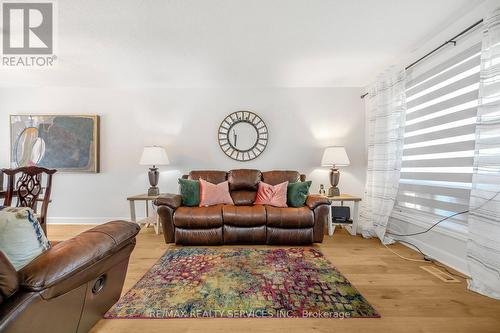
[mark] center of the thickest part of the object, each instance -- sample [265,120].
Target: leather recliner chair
[69,287]
[243,222]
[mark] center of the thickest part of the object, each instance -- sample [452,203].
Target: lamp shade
[335,155]
[154,155]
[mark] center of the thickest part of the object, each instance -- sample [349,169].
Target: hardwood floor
[408,298]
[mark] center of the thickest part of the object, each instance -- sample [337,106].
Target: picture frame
[66,142]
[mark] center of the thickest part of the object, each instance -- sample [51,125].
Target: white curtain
[483,246]
[385,107]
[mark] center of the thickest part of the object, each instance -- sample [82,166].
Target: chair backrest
[25,184]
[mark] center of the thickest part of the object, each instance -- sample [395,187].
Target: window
[437,165]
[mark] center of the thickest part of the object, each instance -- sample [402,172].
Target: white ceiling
[211,43]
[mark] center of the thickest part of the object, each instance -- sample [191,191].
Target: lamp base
[334,181]
[333,191]
[153,176]
[153,191]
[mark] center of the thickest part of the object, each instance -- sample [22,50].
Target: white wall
[301,122]
[167,73]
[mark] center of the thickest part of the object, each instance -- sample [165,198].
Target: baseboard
[445,244]
[457,263]
[85,220]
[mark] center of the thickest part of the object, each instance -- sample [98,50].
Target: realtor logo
[28,29]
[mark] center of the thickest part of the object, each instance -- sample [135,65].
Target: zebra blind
[438,152]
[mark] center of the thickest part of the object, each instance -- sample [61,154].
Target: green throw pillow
[190,192]
[297,193]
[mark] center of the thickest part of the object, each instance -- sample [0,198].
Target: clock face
[243,135]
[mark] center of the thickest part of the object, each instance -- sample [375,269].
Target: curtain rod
[449,41]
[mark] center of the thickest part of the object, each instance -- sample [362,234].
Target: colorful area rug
[242,283]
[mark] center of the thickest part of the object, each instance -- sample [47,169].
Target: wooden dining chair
[25,184]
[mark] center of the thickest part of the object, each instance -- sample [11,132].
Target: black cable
[431,260]
[413,245]
[428,258]
[438,264]
[430,228]
[444,219]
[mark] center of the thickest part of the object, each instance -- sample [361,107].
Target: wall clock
[243,136]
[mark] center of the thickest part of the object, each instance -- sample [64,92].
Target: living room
[225,162]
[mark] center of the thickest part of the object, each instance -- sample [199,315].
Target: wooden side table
[351,228]
[154,220]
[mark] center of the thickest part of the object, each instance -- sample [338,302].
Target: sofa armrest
[72,263]
[315,200]
[320,205]
[173,201]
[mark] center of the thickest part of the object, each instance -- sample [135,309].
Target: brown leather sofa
[69,287]
[243,223]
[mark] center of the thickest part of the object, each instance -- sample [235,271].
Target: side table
[351,228]
[154,220]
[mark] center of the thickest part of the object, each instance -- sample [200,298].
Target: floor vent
[442,275]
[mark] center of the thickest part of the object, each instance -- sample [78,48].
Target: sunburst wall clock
[243,136]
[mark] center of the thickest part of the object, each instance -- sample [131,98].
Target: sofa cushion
[243,198]
[212,236]
[301,217]
[280,236]
[297,193]
[246,235]
[211,176]
[214,194]
[244,179]
[190,192]
[244,216]
[21,236]
[273,195]
[198,217]
[279,176]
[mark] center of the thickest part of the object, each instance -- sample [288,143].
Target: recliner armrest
[173,201]
[315,200]
[9,282]
[73,262]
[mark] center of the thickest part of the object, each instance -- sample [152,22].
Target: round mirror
[243,135]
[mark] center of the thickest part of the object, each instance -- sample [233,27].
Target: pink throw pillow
[214,194]
[271,195]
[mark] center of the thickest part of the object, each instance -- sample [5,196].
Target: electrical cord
[431,227]
[438,264]
[414,246]
[426,259]
[444,219]
[434,261]
[402,257]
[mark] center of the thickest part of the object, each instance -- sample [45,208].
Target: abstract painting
[68,143]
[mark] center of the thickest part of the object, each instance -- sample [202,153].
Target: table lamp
[154,155]
[333,157]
